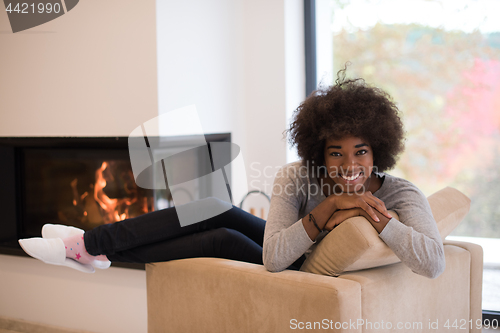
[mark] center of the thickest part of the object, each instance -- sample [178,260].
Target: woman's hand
[340,216]
[336,208]
[365,201]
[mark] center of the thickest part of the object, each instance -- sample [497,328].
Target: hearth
[83,182]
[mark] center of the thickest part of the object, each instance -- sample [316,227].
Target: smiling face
[349,163]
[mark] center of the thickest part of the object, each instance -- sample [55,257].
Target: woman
[346,135]
[353,133]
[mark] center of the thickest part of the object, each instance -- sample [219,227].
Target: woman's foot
[63,245]
[75,247]
[52,251]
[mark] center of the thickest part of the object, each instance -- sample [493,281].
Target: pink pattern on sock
[75,249]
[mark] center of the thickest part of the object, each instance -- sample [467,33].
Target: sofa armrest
[476,279]
[395,294]
[219,295]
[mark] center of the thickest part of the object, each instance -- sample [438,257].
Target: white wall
[295,63]
[113,300]
[90,72]
[229,57]
[201,62]
[265,103]
[241,63]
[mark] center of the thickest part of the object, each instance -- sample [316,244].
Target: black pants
[158,236]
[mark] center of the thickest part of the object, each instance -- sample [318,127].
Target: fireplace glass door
[80,187]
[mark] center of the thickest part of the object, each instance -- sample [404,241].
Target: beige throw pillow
[355,244]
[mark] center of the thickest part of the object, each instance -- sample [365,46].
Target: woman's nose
[349,163]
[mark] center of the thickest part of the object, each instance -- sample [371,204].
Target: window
[440,61]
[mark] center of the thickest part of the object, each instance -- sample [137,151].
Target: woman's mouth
[352,177]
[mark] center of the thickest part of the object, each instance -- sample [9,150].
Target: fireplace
[83,182]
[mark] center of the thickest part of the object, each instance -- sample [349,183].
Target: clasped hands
[349,205]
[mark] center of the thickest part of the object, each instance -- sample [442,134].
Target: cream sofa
[219,295]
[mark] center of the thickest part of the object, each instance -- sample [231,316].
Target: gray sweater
[296,192]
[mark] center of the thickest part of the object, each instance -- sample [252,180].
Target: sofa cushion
[449,206]
[355,244]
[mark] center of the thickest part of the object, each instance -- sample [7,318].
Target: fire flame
[99,208]
[108,205]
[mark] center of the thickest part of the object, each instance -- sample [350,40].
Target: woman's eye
[335,154]
[362,152]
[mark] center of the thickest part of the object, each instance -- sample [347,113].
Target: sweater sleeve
[285,238]
[415,240]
